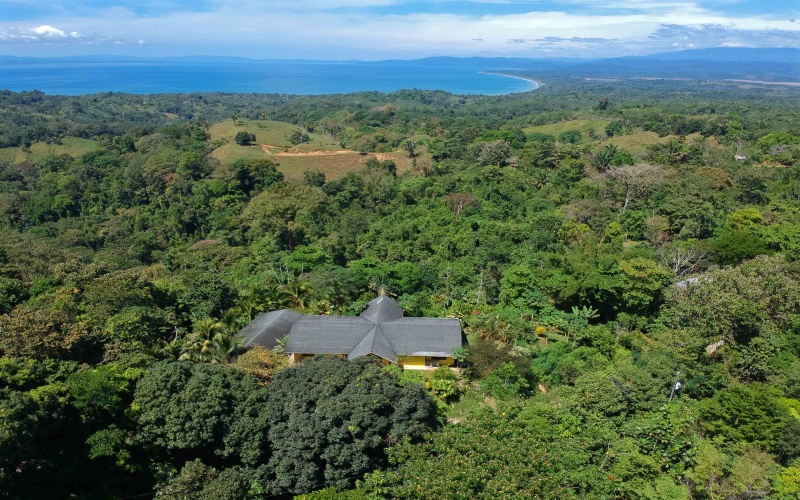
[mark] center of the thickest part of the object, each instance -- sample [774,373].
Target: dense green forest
[623,259]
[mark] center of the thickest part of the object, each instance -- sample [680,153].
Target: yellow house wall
[412,362]
[296,358]
[407,362]
[418,362]
[447,362]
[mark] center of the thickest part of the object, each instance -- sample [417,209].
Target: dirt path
[317,152]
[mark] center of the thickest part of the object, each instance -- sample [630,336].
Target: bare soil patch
[316,152]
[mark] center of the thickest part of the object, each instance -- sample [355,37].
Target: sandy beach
[536,84]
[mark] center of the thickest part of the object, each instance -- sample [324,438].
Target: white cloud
[46,34]
[48,31]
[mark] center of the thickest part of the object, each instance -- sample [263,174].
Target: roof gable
[375,342]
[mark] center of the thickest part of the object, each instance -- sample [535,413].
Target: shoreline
[536,83]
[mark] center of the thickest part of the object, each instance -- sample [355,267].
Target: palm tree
[271,296]
[300,291]
[191,348]
[207,327]
[580,321]
[381,285]
[166,349]
[410,148]
[604,157]
[171,349]
[198,349]
[249,306]
[675,151]
[229,319]
[224,347]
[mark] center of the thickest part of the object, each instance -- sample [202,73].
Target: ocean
[279,77]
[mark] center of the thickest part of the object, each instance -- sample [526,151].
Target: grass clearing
[322,153]
[12,155]
[296,160]
[581,125]
[231,152]
[335,166]
[73,146]
[272,133]
[635,143]
[266,132]
[470,403]
[638,142]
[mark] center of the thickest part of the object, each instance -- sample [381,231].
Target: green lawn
[638,142]
[581,125]
[267,132]
[72,146]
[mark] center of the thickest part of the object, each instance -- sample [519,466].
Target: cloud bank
[379,29]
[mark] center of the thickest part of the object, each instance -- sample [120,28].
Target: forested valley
[624,260]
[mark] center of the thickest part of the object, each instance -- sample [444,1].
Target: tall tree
[331,421]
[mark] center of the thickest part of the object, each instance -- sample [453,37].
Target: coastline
[536,83]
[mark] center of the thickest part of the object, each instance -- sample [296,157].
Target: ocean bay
[250,76]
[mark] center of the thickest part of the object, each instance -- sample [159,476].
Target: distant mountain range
[770,64]
[729,54]
[777,64]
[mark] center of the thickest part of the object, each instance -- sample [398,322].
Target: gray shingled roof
[267,328]
[327,334]
[380,329]
[423,336]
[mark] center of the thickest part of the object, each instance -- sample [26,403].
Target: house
[380,330]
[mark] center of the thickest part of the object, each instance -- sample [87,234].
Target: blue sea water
[75,78]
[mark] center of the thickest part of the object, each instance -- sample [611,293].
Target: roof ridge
[378,329]
[416,319]
[374,342]
[335,316]
[364,345]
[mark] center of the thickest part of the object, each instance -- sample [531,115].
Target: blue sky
[382,29]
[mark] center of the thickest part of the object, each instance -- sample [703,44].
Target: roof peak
[382,308]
